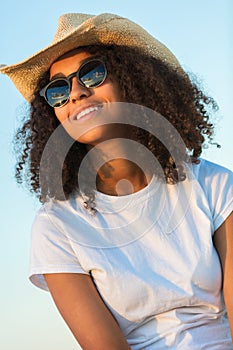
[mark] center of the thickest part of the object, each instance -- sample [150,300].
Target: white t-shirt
[151,256]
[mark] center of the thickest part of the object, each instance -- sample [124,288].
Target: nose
[78,92]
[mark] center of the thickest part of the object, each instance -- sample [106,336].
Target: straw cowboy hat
[76,30]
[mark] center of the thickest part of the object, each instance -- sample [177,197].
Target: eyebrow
[61,75]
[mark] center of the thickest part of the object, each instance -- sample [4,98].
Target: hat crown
[69,22]
[76,30]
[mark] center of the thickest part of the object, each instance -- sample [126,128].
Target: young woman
[134,239]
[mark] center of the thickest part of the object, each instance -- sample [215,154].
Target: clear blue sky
[200,35]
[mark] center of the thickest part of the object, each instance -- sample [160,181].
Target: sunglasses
[90,75]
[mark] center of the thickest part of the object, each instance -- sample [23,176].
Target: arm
[223,240]
[82,308]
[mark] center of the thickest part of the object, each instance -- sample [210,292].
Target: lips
[84,111]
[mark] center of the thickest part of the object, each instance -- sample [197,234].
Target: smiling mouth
[87,111]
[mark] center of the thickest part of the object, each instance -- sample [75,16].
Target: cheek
[61,114]
[116,93]
[110,91]
[62,117]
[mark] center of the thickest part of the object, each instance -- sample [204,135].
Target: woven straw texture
[76,30]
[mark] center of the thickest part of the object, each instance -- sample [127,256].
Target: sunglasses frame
[69,82]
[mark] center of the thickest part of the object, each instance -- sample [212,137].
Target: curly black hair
[142,80]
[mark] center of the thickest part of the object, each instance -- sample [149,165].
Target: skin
[223,241]
[90,321]
[82,98]
[92,314]
[118,168]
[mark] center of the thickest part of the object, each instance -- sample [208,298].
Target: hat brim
[103,29]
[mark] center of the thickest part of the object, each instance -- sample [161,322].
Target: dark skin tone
[68,289]
[90,320]
[123,185]
[81,99]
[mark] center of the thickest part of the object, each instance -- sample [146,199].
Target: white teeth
[86,111]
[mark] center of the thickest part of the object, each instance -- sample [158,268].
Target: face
[85,105]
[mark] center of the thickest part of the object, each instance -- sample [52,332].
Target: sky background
[198,32]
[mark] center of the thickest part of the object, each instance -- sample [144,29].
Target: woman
[134,238]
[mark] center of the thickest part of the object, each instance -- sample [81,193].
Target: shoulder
[55,211]
[207,168]
[216,183]
[63,220]
[209,174]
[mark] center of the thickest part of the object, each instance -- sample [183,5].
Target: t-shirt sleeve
[219,190]
[51,251]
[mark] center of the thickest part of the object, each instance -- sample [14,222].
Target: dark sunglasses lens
[58,92]
[92,74]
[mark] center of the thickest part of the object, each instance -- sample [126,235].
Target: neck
[119,169]
[120,177]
